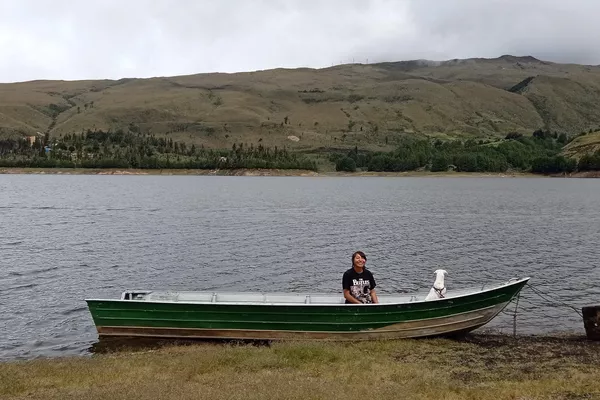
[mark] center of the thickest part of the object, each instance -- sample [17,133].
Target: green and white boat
[279,316]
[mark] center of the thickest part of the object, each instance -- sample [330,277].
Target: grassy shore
[478,367]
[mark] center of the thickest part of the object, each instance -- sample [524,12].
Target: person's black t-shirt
[359,285]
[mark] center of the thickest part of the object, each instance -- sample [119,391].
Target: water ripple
[15,243]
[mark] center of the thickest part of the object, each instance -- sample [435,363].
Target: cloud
[561,31]
[142,38]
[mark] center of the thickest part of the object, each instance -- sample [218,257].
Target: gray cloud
[142,38]
[563,31]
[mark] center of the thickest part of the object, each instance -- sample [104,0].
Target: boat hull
[420,328]
[300,322]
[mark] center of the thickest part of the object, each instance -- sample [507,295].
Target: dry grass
[370,106]
[482,367]
[587,144]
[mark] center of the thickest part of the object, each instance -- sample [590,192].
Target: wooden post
[591,322]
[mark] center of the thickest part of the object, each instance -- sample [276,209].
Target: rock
[591,321]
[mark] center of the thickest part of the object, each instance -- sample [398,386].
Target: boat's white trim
[457,294]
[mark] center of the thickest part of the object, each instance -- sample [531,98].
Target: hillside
[582,145]
[367,105]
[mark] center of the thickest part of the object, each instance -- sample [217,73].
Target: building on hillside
[31,138]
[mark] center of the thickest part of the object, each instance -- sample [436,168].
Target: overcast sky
[91,39]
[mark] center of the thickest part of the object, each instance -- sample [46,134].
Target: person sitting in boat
[358,282]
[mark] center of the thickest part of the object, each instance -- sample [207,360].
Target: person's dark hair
[359,253]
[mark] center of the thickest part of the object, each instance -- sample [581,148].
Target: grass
[370,106]
[581,145]
[480,367]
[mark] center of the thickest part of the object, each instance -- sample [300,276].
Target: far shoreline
[283,172]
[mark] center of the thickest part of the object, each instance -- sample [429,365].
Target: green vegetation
[480,367]
[589,162]
[132,149]
[539,153]
[345,164]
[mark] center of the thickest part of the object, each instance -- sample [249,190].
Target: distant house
[31,138]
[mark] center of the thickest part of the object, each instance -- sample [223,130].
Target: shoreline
[482,366]
[281,172]
[484,338]
[125,346]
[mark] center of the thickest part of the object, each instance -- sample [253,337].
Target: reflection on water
[67,238]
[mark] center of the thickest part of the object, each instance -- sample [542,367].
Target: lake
[64,238]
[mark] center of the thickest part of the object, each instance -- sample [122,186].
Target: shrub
[346,164]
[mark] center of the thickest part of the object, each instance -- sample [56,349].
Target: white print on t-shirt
[361,290]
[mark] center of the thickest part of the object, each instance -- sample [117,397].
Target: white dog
[438,291]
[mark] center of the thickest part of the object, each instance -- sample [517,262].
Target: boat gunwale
[499,286]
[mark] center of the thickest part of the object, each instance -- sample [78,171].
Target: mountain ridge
[367,105]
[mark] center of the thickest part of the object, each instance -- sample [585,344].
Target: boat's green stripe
[353,323]
[258,314]
[284,317]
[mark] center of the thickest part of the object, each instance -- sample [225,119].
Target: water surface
[67,238]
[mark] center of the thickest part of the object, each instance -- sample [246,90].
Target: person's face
[359,261]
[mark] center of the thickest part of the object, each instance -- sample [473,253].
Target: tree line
[538,153]
[120,149]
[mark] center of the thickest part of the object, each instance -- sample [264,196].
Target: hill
[372,106]
[582,145]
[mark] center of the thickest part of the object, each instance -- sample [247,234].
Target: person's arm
[350,298]
[373,284]
[374,296]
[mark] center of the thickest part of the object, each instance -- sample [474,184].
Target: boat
[297,316]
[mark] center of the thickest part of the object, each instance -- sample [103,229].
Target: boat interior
[285,298]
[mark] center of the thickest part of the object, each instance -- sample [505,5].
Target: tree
[538,133]
[562,138]
[466,162]
[346,164]
[439,163]
[380,162]
[589,162]
[551,165]
[513,136]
